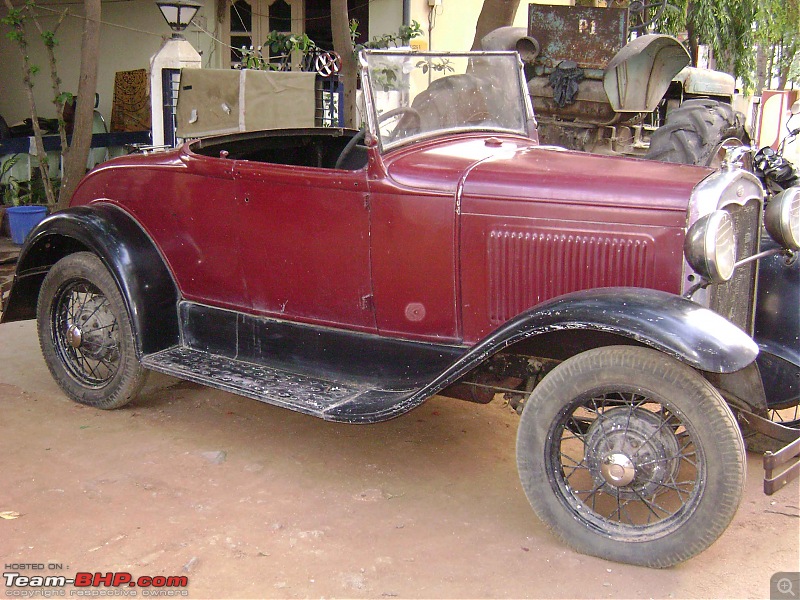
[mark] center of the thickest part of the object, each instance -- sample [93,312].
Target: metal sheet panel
[528,266]
[588,36]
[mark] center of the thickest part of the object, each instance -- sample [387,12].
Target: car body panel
[187,205]
[304,239]
[507,192]
[777,327]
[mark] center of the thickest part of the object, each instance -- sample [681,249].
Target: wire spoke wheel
[627,454]
[86,333]
[626,462]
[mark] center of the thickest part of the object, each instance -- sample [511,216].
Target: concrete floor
[249,500]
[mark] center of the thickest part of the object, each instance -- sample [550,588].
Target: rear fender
[127,252]
[706,83]
[639,75]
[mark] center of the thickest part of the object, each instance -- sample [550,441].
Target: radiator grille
[735,299]
[529,267]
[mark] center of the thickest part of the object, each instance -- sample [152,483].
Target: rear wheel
[698,133]
[629,455]
[86,335]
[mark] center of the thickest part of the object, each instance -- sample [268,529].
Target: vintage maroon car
[351,275]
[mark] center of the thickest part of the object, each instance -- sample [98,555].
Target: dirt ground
[249,500]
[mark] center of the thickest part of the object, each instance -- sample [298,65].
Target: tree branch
[28,71]
[58,101]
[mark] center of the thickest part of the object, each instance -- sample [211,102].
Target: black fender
[674,325]
[680,328]
[777,326]
[129,254]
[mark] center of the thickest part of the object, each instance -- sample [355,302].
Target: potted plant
[23,201]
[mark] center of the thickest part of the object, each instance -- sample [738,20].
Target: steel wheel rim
[595,482]
[86,333]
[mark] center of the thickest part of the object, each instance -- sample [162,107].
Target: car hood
[516,169]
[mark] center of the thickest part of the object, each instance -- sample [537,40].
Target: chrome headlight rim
[782,218]
[710,246]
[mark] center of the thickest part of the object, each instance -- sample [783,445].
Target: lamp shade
[178,13]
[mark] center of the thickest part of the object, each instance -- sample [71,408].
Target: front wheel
[86,335]
[629,455]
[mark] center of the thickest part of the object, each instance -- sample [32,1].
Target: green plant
[18,22]
[14,192]
[404,35]
[386,79]
[443,65]
[253,59]
[280,47]
[275,53]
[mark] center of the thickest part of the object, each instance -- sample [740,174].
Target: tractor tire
[695,132]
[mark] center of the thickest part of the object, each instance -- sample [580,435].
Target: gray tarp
[214,101]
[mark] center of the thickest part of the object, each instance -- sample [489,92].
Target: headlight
[710,246]
[782,218]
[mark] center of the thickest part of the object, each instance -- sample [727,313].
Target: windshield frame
[371,108]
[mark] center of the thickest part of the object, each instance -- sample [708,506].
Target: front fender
[678,327]
[681,328]
[127,252]
[777,326]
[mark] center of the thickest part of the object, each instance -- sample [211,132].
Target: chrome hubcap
[630,451]
[74,336]
[617,469]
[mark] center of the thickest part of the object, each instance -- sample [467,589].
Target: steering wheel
[406,113]
[645,13]
[348,148]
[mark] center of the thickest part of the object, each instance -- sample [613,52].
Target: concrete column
[175,53]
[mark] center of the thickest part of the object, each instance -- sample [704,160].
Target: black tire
[695,132]
[644,431]
[86,335]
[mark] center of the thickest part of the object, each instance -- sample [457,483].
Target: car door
[414,262]
[305,243]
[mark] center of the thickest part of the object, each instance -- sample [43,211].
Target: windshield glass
[413,95]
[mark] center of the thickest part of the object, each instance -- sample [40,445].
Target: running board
[330,400]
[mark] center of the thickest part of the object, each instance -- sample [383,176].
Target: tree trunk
[787,58]
[771,64]
[78,153]
[761,68]
[691,34]
[343,45]
[494,14]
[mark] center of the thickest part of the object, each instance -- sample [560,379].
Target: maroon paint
[442,240]
[305,243]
